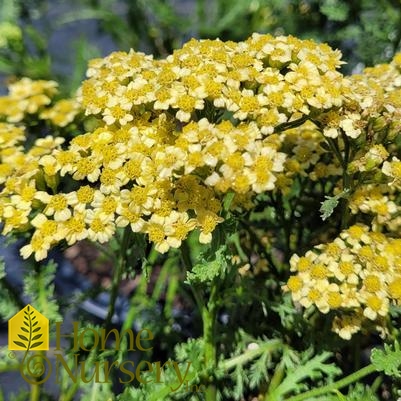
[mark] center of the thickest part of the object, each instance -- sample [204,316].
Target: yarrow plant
[357,275]
[265,132]
[172,137]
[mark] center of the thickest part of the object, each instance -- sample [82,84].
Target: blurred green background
[55,39]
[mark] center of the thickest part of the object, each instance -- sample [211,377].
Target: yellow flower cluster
[20,175]
[379,196]
[27,98]
[369,115]
[371,102]
[392,169]
[306,157]
[377,163]
[358,276]
[263,79]
[382,203]
[168,139]
[62,113]
[173,137]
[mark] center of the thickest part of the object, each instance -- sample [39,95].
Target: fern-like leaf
[387,360]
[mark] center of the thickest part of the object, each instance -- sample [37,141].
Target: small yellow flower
[179,228]
[75,228]
[375,305]
[207,222]
[101,227]
[37,246]
[56,205]
[155,228]
[86,168]
[14,218]
[347,325]
[128,217]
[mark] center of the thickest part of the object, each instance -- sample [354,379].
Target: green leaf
[258,370]
[301,370]
[331,203]
[39,287]
[208,271]
[361,392]
[335,10]
[387,360]
[20,344]
[239,376]
[8,301]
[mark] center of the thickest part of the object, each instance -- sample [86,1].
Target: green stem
[104,250]
[261,248]
[376,384]
[70,394]
[36,388]
[345,216]
[152,257]
[35,392]
[209,320]
[286,226]
[200,8]
[237,244]
[353,377]
[334,147]
[172,286]
[186,258]
[347,181]
[128,323]
[276,379]
[117,275]
[249,355]
[292,124]
[186,255]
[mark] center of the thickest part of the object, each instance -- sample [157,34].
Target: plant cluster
[173,137]
[357,274]
[244,156]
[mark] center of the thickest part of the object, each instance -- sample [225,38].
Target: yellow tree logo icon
[28,330]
